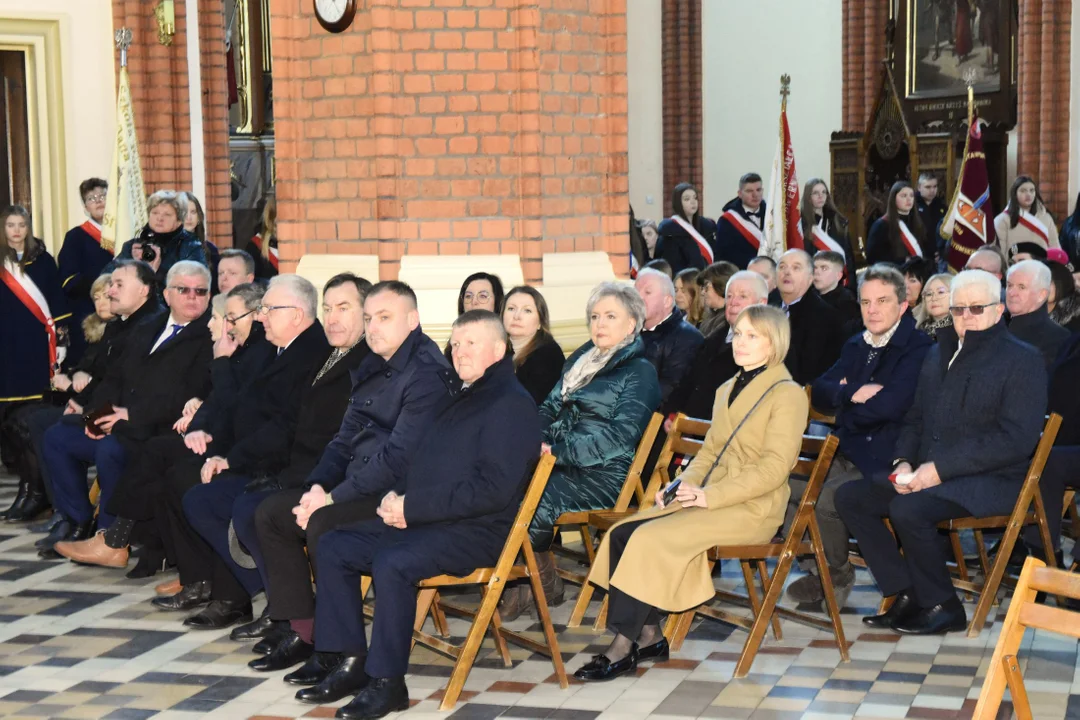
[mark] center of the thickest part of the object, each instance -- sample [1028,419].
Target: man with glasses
[870,388]
[166,360]
[963,450]
[81,260]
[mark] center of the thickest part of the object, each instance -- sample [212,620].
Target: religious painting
[954,43]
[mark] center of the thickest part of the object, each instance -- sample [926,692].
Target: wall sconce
[165,12]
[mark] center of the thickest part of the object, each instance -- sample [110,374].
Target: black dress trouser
[289,569]
[626,615]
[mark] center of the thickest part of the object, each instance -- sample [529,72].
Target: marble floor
[78,642]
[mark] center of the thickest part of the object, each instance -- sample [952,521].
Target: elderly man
[764,266]
[714,363]
[166,360]
[870,388]
[235,267]
[453,515]
[1026,292]
[256,445]
[817,330]
[670,342]
[987,258]
[396,393]
[963,451]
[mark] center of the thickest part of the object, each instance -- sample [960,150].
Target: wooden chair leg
[1015,681]
[993,580]
[545,617]
[763,574]
[469,649]
[424,598]
[600,624]
[587,543]
[678,627]
[438,618]
[581,605]
[496,631]
[768,607]
[984,559]
[958,554]
[828,589]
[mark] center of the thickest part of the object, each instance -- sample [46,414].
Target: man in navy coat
[963,450]
[460,496]
[870,388]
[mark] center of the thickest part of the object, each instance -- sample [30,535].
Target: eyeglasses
[265,309]
[95,198]
[185,291]
[482,296]
[975,310]
[941,292]
[238,318]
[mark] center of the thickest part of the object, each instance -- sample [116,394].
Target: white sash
[822,241]
[747,229]
[29,286]
[913,245]
[703,245]
[1035,225]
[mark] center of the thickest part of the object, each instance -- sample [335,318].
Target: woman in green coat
[592,422]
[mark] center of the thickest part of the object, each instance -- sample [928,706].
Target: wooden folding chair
[994,574]
[815,415]
[492,581]
[685,438]
[764,612]
[632,489]
[1025,613]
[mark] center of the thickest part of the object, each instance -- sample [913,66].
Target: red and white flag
[782,216]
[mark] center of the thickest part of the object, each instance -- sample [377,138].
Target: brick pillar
[681,68]
[215,111]
[1044,94]
[447,127]
[863,37]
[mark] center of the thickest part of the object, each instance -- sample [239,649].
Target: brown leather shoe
[93,551]
[170,587]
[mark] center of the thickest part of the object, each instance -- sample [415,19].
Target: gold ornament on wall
[165,13]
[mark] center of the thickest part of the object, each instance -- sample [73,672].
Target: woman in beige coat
[656,560]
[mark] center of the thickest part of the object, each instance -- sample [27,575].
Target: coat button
[367,402]
[366,458]
[351,458]
[389,373]
[936,437]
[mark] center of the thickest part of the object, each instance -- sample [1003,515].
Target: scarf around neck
[588,365]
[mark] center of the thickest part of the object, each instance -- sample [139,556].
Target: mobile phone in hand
[670,490]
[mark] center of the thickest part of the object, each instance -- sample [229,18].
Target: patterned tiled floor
[80,642]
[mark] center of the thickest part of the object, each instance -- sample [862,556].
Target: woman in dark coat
[165,237]
[538,359]
[1064,301]
[593,420]
[264,246]
[899,234]
[195,223]
[1069,238]
[683,235]
[823,227]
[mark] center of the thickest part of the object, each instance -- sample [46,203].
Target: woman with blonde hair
[932,314]
[734,492]
[264,246]
[687,297]
[163,242]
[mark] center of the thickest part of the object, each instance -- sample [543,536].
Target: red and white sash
[703,245]
[913,246]
[822,241]
[273,254]
[23,287]
[1035,225]
[747,229]
[93,230]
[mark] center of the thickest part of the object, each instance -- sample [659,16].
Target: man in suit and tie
[166,360]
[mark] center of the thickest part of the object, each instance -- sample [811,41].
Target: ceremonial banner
[125,207]
[782,216]
[967,226]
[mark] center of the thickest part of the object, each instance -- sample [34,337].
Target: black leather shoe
[902,608]
[20,499]
[220,614]
[79,531]
[261,628]
[315,670]
[56,533]
[947,617]
[659,650]
[289,652]
[348,678]
[267,644]
[600,668]
[46,525]
[381,697]
[35,504]
[190,597]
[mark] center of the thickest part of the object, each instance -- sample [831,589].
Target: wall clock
[335,15]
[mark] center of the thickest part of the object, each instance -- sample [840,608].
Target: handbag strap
[738,427]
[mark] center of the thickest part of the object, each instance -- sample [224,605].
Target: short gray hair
[187,268]
[177,200]
[250,293]
[888,274]
[761,288]
[664,279]
[990,285]
[1040,273]
[301,289]
[626,295]
[483,317]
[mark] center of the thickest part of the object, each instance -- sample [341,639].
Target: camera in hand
[149,254]
[90,419]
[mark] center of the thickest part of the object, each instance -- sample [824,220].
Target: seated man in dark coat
[963,450]
[817,330]
[1027,289]
[396,393]
[670,342]
[453,515]
[871,387]
[828,281]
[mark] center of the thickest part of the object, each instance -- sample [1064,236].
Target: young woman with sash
[899,234]
[264,246]
[82,258]
[33,314]
[1025,219]
[686,238]
[823,227]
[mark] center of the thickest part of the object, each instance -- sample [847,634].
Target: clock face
[331,11]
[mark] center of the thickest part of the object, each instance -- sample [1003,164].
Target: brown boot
[549,578]
[515,600]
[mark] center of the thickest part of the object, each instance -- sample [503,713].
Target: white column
[198,149]
[1074,129]
[645,98]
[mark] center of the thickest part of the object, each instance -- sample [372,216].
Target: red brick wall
[446,127]
[681,68]
[863,38]
[1044,87]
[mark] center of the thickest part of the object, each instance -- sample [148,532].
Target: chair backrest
[814,415]
[633,487]
[1029,491]
[817,469]
[686,439]
[519,530]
